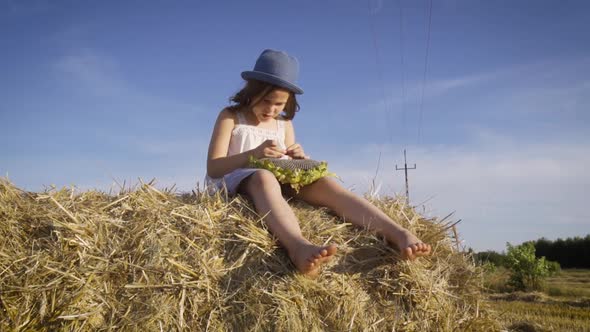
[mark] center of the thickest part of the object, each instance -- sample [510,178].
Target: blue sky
[97,91]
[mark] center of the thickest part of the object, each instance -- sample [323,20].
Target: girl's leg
[357,210]
[263,188]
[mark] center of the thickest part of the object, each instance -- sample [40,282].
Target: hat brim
[274,80]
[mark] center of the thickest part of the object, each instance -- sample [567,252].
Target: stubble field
[563,305]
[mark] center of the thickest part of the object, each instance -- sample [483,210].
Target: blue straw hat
[277,68]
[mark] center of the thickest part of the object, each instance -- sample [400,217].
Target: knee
[330,185]
[263,180]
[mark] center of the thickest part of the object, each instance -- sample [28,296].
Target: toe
[407,253]
[331,249]
[424,250]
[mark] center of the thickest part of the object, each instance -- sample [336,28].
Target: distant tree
[527,271]
[569,253]
[491,257]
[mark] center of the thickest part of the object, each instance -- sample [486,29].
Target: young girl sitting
[259,124]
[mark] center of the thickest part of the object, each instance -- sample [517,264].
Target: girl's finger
[276,153]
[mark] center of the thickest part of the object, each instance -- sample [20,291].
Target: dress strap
[241,118]
[281,128]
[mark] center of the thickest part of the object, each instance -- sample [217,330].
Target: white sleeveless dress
[245,137]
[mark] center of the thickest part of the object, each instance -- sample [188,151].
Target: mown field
[563,305]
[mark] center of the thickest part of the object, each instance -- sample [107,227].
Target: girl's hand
[269,149]
[295,151]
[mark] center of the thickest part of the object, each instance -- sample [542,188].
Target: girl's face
[266,108]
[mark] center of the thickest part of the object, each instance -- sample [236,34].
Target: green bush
[495,279]
[554,268]
[489,267]
[527,271]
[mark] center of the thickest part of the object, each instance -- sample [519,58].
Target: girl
[259,124]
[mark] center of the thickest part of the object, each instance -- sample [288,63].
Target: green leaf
[298,178]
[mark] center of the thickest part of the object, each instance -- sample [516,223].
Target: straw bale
[155,260]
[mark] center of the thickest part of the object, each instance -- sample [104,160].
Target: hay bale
[150,259]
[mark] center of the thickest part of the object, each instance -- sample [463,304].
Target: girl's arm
[218,162]
[289,133]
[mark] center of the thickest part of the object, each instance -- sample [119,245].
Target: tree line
[569,253]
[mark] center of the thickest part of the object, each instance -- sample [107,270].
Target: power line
[401,42]
[379,68]
[403,84]
[425,68]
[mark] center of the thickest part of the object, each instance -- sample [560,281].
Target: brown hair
[253,88]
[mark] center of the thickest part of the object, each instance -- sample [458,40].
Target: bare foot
[409,245]
[308,258]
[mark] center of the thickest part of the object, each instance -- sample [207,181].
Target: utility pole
[406,170]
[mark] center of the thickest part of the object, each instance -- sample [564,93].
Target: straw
[153,259]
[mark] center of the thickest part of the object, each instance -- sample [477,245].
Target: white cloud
[541,84]
[140,134]
[393,100]
[169,147]
[503,191]
[93,74]
[512,182]
[571,98]
[96,74]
